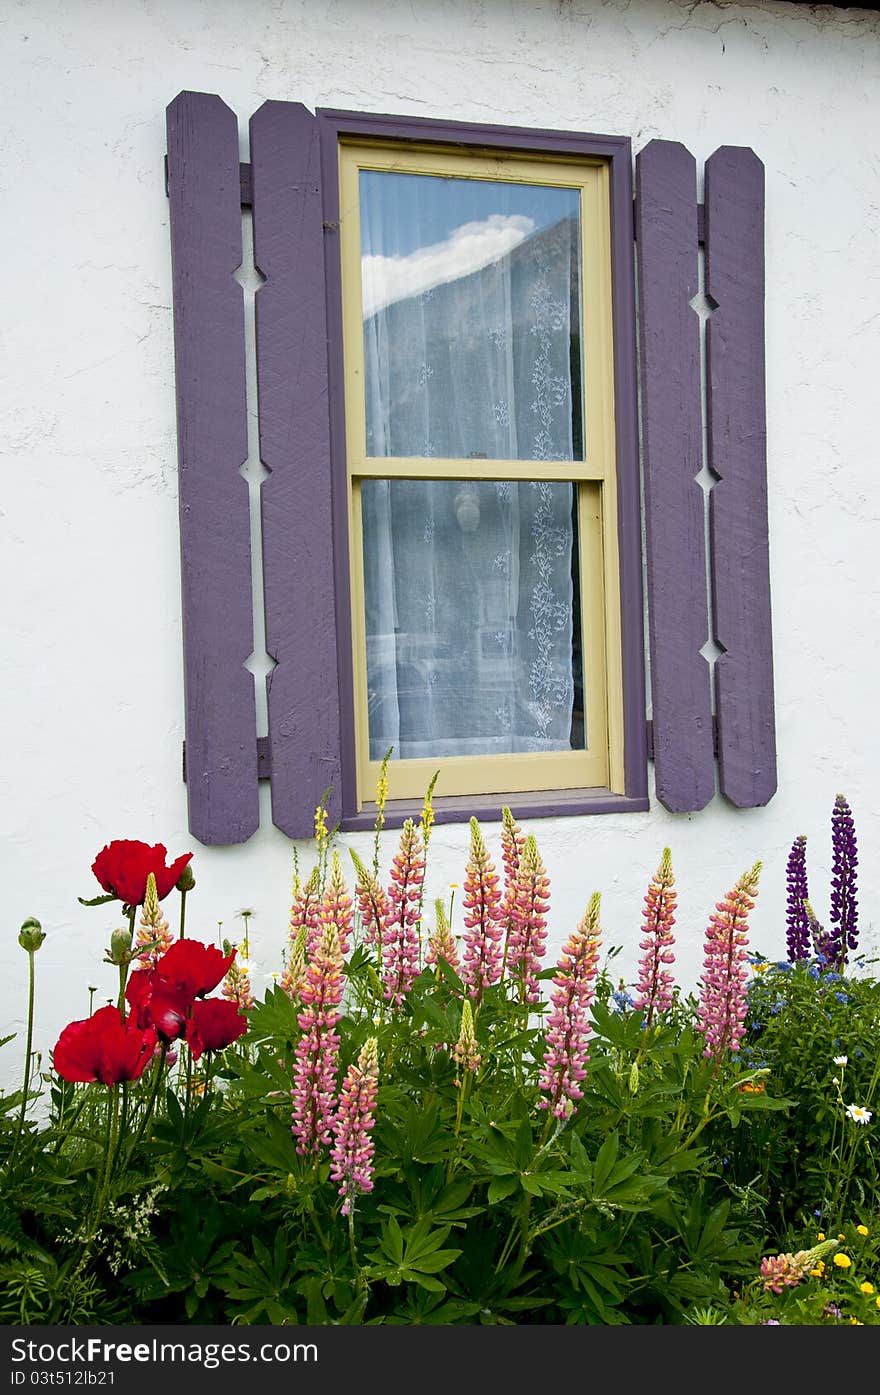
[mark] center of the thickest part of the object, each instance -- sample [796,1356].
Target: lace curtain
[468,584]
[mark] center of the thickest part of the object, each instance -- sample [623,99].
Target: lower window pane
[473,632]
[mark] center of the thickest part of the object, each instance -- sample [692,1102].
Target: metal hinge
[245,179]
[649,734]
[264,759]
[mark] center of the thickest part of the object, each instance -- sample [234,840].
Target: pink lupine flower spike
[483,919]
[314,1069]
[722,1007]
[352,1155]
[400,934]
[568,1025]
[654,992]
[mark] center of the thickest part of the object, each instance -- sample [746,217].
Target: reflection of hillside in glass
[472,319]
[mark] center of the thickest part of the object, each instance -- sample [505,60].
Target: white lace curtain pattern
[468,584]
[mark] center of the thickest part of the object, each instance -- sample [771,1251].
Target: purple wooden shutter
[303,690]
[209,348]
[738,455]
[667,233]
[672,431]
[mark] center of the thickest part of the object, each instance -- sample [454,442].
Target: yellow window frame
[601,765]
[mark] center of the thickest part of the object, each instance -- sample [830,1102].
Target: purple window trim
[534,804]
[618,151]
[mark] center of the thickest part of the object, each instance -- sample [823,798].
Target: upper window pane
[472,324]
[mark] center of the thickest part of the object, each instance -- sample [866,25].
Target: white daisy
[858,1114]
[841,1060]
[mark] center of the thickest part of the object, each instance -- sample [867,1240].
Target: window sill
[487,808]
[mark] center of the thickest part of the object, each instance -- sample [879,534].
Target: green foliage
[181,1197]
[804,1019]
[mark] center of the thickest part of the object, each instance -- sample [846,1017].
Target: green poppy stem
[151,1102]
[110,1142]
[183,895]
[29,1042]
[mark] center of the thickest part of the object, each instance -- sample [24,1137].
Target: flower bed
[420,1125]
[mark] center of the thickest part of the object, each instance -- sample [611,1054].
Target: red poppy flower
[103,1047]
[193,967]
[122,869]
[214,1024]
[157,1003]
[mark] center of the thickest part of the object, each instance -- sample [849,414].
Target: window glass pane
[472,617]
[472,334]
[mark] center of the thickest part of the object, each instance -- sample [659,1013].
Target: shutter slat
[666,243]
[209,347]
[738,456]
[291,329]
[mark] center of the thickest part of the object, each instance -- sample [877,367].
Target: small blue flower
[832,978]
[859,1052]
[842,997]
[622,999]
[783,966]
[813,971]
[818,1213]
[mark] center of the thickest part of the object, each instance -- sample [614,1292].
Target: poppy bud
[186,881]
[120,946]
[31,935]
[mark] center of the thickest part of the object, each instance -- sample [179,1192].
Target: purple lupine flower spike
[797,925]
[844,904]
[819,937]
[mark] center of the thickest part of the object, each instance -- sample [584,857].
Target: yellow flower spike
[821,1235]
[426,822]
[817,1272]
[862,1230]
[841,1237]
[866,1288]
[842,1261]
[854,1322]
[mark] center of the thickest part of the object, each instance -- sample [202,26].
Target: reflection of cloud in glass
[467,249]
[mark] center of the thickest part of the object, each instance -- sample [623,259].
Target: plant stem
[182,914]
[151,1102]
[110,1149]
[29,1041]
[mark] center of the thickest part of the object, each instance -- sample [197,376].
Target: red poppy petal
[194,966]
[217,1023]
[194,1041]
[122,868]
[103,1047]
[168,877]
[73,1056]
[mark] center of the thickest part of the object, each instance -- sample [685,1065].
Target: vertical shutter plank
[738,456]
[303,690]
[209,345]
[666,244]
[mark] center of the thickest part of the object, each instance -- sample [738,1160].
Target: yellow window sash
[602,764]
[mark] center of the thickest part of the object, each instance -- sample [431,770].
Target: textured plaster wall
[92,681]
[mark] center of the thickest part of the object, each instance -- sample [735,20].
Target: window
[479,433]
[451,525]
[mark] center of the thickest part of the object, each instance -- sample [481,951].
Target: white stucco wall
[92,683]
